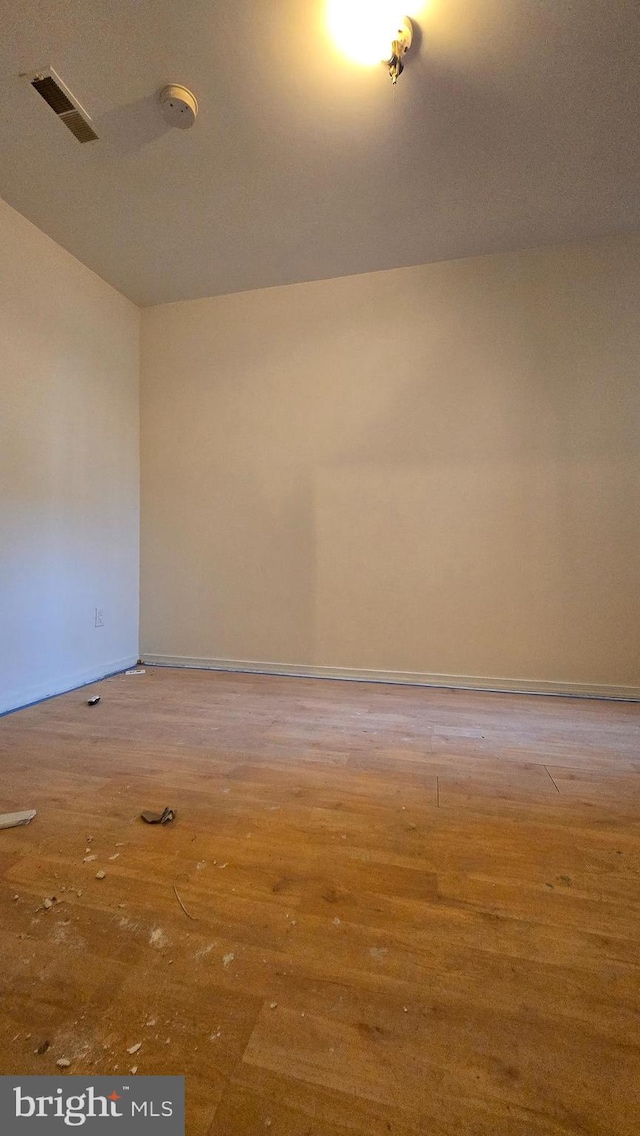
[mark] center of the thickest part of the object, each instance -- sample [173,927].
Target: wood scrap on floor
[14,820]
[187,913]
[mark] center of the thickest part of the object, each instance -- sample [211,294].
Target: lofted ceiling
[515,124]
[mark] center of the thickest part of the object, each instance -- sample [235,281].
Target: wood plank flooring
[413,911]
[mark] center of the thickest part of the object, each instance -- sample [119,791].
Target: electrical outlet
[99,617]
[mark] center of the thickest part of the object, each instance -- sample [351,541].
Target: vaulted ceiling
[515,124]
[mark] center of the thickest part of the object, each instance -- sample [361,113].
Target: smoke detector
[179,106]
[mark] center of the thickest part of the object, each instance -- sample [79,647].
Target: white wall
[69,368]
[430,470]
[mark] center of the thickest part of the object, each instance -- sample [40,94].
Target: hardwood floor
[413,911]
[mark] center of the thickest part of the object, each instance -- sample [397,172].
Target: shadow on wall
[130,128]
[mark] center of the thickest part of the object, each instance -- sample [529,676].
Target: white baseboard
[403,678]
[18,699]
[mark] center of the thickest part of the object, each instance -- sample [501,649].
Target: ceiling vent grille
[51,88]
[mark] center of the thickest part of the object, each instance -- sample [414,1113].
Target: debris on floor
[93,701]
[46,904]
[44,1047]
[164,817]
[135,1048]
[378,952]
[136,671]
[13,820]
[63,1063]
[187,913]
[100,875]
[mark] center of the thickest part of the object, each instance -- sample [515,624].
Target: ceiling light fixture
[400,45]
[371,31]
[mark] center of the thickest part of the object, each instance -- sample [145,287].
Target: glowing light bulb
[364,30]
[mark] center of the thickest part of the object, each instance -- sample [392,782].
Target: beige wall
[69,478]
[429,470]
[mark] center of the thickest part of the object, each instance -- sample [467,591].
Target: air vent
[51,88]
[79,126]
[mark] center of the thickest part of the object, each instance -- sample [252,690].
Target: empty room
[320,567]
